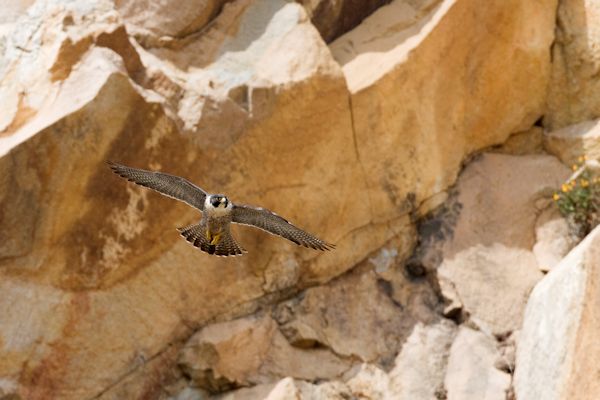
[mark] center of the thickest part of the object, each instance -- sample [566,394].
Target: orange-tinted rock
[253,105]
[437,83]
[575,84]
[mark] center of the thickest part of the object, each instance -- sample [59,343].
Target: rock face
[558,352]
[573,141]
[354,140]
[553,237]
[575,86]
[486,243]
[471,372]
[164,21]
[333,18]
[428,114]
[251,351]
[341,314]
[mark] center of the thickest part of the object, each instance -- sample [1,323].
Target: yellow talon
[215,239]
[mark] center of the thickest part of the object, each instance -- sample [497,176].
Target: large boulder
[558,353]
[574,91]
[333,18]
[574,141]
[159,22]
[340,315]
[122,284]
[481,243]
[248,101]
[471,373]
[250,351]
[490,78]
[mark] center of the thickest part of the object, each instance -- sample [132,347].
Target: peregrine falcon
[212,234]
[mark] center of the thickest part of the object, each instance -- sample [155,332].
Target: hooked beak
[223,200]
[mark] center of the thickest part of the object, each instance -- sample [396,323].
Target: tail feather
[227,246]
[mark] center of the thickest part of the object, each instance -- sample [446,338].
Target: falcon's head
[218,200]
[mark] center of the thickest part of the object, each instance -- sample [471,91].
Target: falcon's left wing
[276,225]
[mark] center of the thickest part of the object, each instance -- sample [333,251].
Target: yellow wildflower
[585,183]
[574,167]
[565,188]
[556,197]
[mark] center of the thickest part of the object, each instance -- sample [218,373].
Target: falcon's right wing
[168,185]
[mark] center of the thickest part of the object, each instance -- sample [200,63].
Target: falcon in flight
[212,234]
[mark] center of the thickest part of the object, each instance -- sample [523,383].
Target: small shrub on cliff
[579,199]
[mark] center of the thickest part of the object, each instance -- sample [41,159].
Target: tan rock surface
[290,389]
[167,19]
[258,87]
[574,91]
[554,238]
[417,373]
[73,226]
[529,141]
[11,11]
[252,351]
[487,236]
[341,314]
[573,141]
[471,373]
[482,88]
[333,18]
[558,350]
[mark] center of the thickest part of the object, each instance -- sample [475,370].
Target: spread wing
[168,185]
[276,225]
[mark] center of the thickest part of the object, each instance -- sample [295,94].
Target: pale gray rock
[471,373]
[558,351]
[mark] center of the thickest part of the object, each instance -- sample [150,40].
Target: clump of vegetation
[579,199]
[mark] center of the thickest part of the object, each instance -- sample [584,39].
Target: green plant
[579,199]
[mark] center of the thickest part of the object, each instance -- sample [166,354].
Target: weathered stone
[291,389]
[149,286]
[359,305]
[421,365]
[432,122]
[574,90]
[370,382]
[173,19]
[485,244]
[507,354]
[256,86]
[333,18]
[471,373]
[522,143]
[250,351]
[553,238]
[574,141]
[11,11]
[558,351]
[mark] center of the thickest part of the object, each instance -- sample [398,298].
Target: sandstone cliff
[423,137]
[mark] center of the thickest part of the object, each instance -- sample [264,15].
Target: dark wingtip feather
[116,168]
[113,165]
